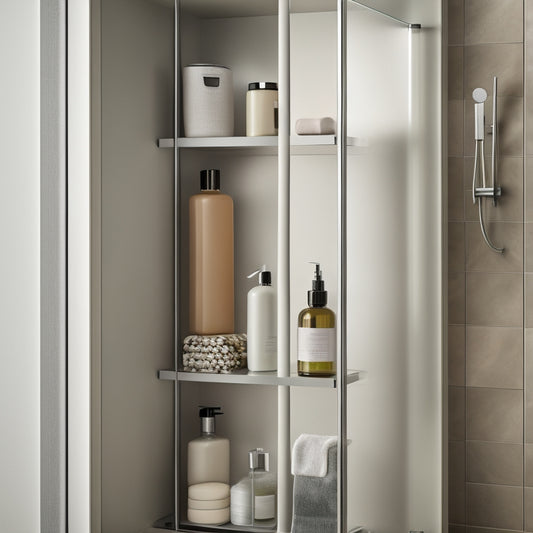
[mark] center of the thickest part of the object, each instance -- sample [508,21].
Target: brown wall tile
[455,127]
[456,298]
[493,21]
[494,463]
[483,62]
[456,21]
[529,465]
[456,246]
[456,413]
[529,247]
[456,355]
[528,511]
[472,529]
[494,506]
[494,299]
[529,385]
[529,188]
[455,72]
[455,189]
[494,357]
[456,482]
[494,415]
[529,300]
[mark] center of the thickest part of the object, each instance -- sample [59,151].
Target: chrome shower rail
[395,19]
[478,193]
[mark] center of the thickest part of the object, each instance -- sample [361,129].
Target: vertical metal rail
[177,239]
[284,317]
[342,514]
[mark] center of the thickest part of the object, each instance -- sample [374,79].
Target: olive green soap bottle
[317,353]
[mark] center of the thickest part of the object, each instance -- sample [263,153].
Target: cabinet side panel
[137,264]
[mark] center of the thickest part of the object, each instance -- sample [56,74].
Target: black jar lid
[271,85]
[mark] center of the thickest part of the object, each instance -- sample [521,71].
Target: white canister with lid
[207,101]
[262,109]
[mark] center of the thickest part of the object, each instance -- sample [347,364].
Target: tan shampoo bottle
[211,296]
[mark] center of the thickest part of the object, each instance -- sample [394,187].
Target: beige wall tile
[456,298]
[494,463]
[455,127]
[494,357]
[483,62]
[455,189]
[456,413]
[493,21]
[529,385]
[456,482]
[455,72]
[456,355]
[510,178]
[456,246]
[456,21]
[528,503]
[510,123]
[529,465]
[494,415]
[508,235]
[493,299]
[494,506]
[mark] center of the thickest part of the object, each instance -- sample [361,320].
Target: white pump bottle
[262,324]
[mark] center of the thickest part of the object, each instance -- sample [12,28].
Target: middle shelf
[300,144]
[246,377]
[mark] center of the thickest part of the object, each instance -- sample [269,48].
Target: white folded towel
[310,455]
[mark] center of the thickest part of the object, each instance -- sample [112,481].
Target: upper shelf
[247,377]
[300,144]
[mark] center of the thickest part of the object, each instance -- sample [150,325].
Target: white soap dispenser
[208,455]
[262,324]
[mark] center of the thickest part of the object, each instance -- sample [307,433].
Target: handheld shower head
[479,95]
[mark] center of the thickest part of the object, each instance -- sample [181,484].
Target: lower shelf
[186,527]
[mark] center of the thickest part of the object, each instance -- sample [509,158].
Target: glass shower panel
[377,233]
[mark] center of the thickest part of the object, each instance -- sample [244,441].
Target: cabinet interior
[137,418]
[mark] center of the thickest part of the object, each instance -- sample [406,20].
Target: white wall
[19,266]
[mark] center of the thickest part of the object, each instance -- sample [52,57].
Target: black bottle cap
[265,277]
[209,412]
[265,85]
[210,180]
[317,297]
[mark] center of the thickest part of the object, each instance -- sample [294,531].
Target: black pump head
[209,412]
[317,296]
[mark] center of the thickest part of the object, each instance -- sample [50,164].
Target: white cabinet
[140,424]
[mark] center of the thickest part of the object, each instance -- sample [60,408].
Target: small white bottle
[253,498]
[262,324]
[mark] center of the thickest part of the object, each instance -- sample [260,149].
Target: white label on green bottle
[316,345]
[265,507]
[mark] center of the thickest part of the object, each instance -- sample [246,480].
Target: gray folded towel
[315,500]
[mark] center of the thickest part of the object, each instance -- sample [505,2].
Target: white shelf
[300,144]
[246,377]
